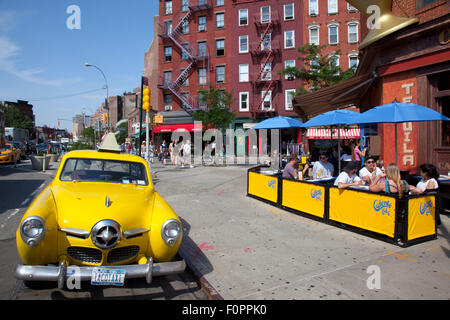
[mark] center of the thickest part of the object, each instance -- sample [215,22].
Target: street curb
[206,287]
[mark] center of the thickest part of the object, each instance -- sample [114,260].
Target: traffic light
[105,117]
[146,99]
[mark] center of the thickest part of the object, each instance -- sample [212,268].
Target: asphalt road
[18,187]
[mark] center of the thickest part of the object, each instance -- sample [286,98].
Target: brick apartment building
[410,63]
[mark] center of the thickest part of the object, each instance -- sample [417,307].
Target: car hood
[81,205]
[4,152]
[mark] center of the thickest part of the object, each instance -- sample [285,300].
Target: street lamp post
[107,93]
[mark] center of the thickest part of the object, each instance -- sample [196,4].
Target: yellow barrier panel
[263,186]
[368,211]
[305,197]
[421,217]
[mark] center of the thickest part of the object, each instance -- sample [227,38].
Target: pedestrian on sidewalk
[187,153]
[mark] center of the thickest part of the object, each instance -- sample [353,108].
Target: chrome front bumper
[61,273]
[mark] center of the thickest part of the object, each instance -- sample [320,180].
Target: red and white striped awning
[325,133]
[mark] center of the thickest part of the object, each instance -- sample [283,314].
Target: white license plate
[107,277]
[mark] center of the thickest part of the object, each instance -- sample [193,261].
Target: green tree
[88,134]
[14,118]
[318,70]
[217,113]
[123,132]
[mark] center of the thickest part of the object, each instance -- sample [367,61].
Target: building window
[220,20]
[289,64]
[423,3]
[332,6]
[168,26]
[167,78]
[168,54]
[353,61]
[243,73]
[202,48]
[167,102]
[266,43]
[314,35]
[243,44]
[289,39]
[353,33]
[289,11]
[220,3]
[184,5]
[265,14]
[289,94]
[220,47]
[313,7]
[185,27]
[243,101]
[220,74]
[243,17]
[333,34]
[186,78]
[267,103]
[184,51]
[202,100]
[202,76]
[202,24]
[184,99]
[168,7]
[266,71]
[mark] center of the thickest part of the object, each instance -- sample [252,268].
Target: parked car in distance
[9,154]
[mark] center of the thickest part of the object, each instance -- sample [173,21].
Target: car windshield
[99,170]
[8,147]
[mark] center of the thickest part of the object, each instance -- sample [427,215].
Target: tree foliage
[318,70]
[217,113]
[123,132]
[14,118]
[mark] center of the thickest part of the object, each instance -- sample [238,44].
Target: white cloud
[7,20]
[9,51]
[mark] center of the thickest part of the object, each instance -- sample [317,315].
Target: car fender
[46,251]
[160,251]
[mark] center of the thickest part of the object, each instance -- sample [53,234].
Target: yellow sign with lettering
[369,211]
[305,197]
[421,217]
[263,186]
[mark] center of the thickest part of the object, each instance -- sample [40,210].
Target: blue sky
[42,60]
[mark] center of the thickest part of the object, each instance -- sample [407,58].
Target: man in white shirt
[323,169]
[348,177]
[370,172]
[187,154]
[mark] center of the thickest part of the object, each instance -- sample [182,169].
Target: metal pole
[140,116]
[147,133]
[395,143]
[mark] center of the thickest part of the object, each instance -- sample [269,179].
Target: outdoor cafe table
[383,216]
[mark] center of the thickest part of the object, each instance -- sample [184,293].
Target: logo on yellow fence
[425,208]
[316,194]
[272,184]
[382,206]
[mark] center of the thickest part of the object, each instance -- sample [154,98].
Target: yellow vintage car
[100,220]
[9,154]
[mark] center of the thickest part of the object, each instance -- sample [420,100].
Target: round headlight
[171,231]
[32,230]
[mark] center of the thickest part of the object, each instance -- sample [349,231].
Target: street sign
[159,119]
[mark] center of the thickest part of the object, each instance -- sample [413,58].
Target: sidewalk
[247,249]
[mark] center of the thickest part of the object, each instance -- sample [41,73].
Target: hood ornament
[108,202]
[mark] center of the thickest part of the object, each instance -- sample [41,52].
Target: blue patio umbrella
[397,112]
[279,122]
[333,118]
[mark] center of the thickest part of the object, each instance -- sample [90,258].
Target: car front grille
[122,254]
[88,255]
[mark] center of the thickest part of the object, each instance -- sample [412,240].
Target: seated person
[289,171]
[347,155]
[323,169]
[348,177]
[370,171]
[393,183]
[429,178]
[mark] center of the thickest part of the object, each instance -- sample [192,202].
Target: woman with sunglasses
[370,172]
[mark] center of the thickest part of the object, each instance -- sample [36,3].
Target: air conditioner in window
[290,77]
[266,105]
[201,28]
[168,108]
[313,14]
